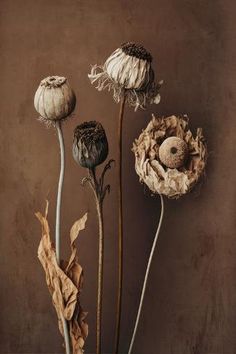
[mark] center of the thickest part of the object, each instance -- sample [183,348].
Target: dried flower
[54,99]
[90,145]
[162,171]
[128,70]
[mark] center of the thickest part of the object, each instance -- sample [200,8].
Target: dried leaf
[65,283]
[78,226]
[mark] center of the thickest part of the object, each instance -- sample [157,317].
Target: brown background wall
[190,305]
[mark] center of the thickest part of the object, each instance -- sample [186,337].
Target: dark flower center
[136,50]
[89,132]
[173,150]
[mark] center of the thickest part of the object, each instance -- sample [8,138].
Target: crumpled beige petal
[65,283]
[160,179]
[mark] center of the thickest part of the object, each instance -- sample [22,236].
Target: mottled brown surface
[190,305]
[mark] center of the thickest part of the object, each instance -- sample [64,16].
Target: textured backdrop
[190,304]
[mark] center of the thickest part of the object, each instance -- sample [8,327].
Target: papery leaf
[78,226]
[64,283]
[63,291]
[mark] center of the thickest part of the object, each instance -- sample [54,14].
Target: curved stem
[59,191]
[146,275]
[58,222]
[98,199]
[120,236]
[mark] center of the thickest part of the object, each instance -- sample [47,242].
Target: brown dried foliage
[65,282]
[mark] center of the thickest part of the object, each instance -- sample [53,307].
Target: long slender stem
[99,200]
[146,275]
[59,192]
[58,222]
[120,236]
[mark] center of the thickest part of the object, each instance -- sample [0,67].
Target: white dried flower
[128,70]
[54,99]
[157,168]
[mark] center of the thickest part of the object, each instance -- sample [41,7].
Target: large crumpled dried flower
[128,70]
[54,99]
[90,145]
[168,159]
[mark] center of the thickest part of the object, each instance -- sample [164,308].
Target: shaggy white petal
[127,73]
[123,72]
[133,73]
[116,54]
[117,72]
[113,67]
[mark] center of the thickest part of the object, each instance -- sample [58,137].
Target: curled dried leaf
[65,282]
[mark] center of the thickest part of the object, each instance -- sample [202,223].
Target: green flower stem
[58,223]
[120,230]
[146,275]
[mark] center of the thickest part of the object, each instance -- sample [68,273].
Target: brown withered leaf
[65,283]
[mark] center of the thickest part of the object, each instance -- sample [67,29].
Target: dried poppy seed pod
[128,69]
[173,152]
[54,99]
[90,145]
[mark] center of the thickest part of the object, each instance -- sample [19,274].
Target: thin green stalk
[146,275]
[58,222]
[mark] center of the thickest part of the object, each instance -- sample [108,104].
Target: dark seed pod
[90,145]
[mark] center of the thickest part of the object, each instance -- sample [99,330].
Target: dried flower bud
[90,146]
[54,99]
[173,152]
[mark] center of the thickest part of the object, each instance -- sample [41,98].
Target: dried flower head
[168,159]
[128,70]
[54,99]
[90,145]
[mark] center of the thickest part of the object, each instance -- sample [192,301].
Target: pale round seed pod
[173,152]
[54,99]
